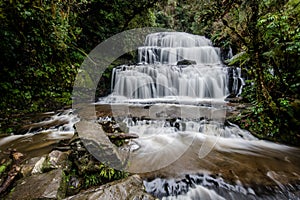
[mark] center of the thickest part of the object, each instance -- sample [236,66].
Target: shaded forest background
[43,44]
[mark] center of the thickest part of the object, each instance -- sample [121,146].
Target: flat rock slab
[99,145]
[42,186]
[131,188]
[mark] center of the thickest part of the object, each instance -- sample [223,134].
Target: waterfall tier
[154,81]
[176,39]
[159,76]
[171,47]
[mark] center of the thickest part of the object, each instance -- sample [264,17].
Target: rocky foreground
[67,172]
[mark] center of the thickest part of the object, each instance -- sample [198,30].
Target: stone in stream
[56,159]
[130,188]
[98,144]
[49,185]
[38,167]
[28,166]
[186,62]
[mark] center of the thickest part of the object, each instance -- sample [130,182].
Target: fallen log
[121,136]
[14,170]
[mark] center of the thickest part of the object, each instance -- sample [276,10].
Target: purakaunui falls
[186,149]
[161,71]
[173,99]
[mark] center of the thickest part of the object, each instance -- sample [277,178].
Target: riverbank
[60,162]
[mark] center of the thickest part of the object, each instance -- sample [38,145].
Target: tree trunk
[263,94]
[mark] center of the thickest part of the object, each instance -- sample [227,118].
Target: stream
[186,149]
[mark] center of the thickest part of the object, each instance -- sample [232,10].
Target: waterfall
[171,47]
[157,74]
[173,100]
[153,81]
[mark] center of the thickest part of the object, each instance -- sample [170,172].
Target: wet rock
[186,62]
[114,127]
[49,185]
[56,159]
[28,166]
[74,185]
[82,160]
[85,170]
[130,188]
[121,136]
[123,127]
[233,99]
[38,167]
[97,142]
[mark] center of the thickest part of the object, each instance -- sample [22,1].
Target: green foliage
[240,59]
[38,54]
[2,169]
[102,19]
[281,36]
[260,122]
[86,171]
[267,35]
[283,128]
[179,15]
[43,43]
[102,175]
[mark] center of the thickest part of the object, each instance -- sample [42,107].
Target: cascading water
[171,47]
[158,76]
[37,138]
[184,150]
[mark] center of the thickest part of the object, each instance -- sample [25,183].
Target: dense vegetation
[267,36]
[44,42]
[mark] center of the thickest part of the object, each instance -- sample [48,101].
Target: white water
[58,126]
[199,192]
[67,116]
[156,81]
[183,130]
[158,76]
[170,47]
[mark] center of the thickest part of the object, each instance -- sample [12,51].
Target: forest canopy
[43,44]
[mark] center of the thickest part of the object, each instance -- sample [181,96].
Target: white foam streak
[61,131]
[154,81]
[199,192]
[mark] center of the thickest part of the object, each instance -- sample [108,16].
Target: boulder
[98,144]
[131,188]
[29,165]
[38,167]
[56,159]
[49,185]
[186,62]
